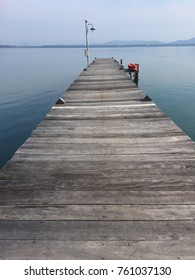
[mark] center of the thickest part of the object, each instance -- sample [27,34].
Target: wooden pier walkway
[104,176]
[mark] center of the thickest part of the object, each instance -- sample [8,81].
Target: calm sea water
[31,80]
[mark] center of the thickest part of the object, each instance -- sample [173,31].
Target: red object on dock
[133,67]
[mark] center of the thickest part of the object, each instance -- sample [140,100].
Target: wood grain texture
[103,176]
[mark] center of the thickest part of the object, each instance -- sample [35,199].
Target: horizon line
[96,45]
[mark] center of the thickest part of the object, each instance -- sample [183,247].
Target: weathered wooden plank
[98,212]
[108,95]
[110,133]
[130,126]
[105,86]
[166,157]
[97,230]
[103,168]
[107,170]
[107,116]
[134,108]
[108,92]
[92,103]
[91,182]
[180,139]
[121,123]
[102,78]
[111,130]
[97,250]
[25,196]
[124,163]
[94,250]
[101,81]
[106,149]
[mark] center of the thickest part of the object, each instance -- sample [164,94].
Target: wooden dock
[104,176]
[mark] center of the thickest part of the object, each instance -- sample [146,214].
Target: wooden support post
[136,74]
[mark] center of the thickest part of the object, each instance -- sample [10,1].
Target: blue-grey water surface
[32,79]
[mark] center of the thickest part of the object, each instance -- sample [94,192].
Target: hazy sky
[62,21]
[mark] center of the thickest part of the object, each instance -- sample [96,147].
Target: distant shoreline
[112,44]
[94,46]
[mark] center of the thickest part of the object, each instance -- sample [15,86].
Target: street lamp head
[92,29]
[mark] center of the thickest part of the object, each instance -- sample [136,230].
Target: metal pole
[87,43]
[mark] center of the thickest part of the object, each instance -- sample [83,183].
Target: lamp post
[88,26]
